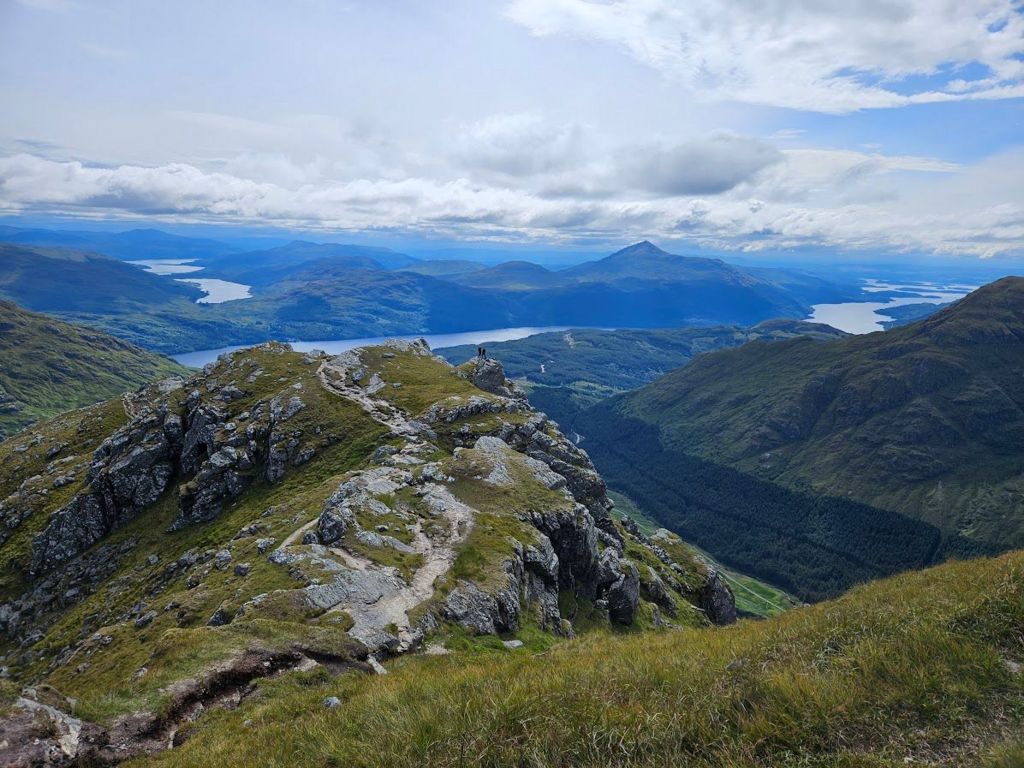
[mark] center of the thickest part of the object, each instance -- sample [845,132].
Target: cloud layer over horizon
[562,121]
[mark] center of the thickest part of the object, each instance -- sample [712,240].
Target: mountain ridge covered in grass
[866,454]
[280,513]
[50,367]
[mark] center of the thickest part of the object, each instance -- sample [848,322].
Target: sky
[882,126]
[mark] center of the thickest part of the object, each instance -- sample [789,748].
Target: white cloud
[518,145]
[826,197]
[819,55]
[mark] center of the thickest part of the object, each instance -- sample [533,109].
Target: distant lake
[337,346]
[167,266]
[863,316]
[217,291]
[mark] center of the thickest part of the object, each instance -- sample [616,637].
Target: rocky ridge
[463,509]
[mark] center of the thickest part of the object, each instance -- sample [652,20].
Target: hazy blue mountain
[136,244]
[63,280]
[443,267]
[644,286]
[265,267]
[317,291]
[511,276]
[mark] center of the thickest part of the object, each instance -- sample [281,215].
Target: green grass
[911,667]
[50,367]
[424,380]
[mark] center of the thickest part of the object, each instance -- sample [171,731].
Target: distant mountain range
[49,367]
[131,245]
[314,291]
[819,464]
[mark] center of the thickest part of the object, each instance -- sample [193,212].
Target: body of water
[167,266]
[337,346]
[864,317]
[217,291]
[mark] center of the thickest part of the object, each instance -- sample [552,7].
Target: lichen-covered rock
[487,374]
[481,612]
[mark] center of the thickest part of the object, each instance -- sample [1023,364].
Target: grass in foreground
[916,669]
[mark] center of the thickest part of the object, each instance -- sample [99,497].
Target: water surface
[167,266]
[217,291]
[336,346]
[863,316]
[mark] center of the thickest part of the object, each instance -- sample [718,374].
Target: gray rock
[717,600]
[262,545]
[332,702]
[222,559]
[619,585]
[145,619]
[471,608]
[489,376]
[219,618]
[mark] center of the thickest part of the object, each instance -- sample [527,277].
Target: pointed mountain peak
[643,248]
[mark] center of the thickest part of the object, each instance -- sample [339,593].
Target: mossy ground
[423,380]
[911,670]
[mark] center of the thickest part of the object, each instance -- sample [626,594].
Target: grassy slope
[50,366]
[934,407]
[56,279]
[913,669]
[911,431]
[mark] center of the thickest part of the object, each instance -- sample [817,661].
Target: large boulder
[488,375]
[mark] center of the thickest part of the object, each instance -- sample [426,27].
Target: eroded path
[377,596]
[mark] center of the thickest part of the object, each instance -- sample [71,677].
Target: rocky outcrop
[203,446]
[717,600]
[128,472]
[618,584]
[489,375]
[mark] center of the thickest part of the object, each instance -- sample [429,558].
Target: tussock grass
[911,667]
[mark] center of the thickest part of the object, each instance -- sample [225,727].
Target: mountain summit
[281,512]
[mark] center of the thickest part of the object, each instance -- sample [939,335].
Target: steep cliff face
[313,511]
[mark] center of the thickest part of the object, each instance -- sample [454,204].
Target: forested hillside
[818,464]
